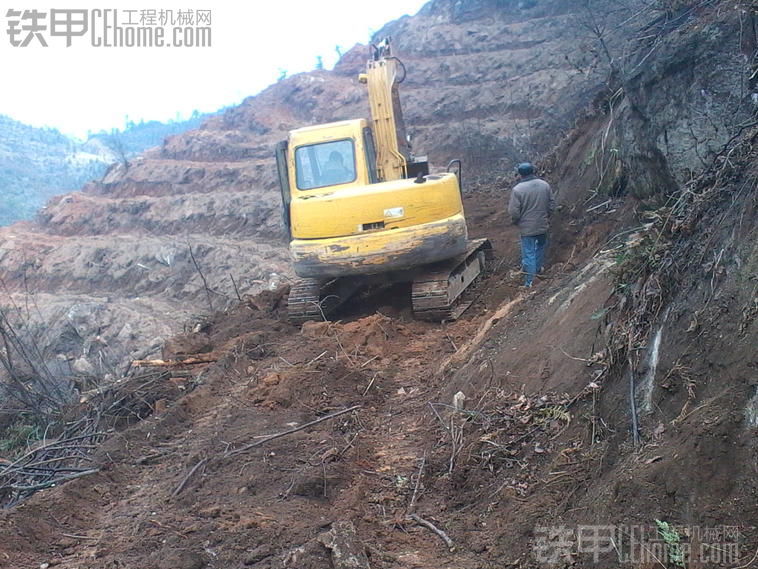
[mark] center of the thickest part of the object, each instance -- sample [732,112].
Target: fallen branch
[430,526]
[199,359]
[53,482]
[53,445]
[184,481]
[290,431]
[598,206]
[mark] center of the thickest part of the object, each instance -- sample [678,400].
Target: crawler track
[436,294]
[304,301]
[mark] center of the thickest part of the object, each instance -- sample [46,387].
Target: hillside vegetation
[38,163]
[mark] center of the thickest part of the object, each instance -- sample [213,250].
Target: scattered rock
[82,366]
[311,555]
[187,344]
[459,401]
[258,554]
[269,300]
[271,379]
[347,550]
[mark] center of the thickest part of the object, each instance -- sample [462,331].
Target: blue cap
[525,169]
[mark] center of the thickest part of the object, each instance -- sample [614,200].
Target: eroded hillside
[620,391]
[489,84]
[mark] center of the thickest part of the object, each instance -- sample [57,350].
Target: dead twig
[236,290]
[412,505]
[585,360]
[364,364]
[430,526]
[632,401]
[290,431]
[54,481]
[456,441]
[455,348]
[74,536]
[54,445]
[370,383]
[598,206]
[436,413]
[317,358]
[202,277]
[186,479]
[348,445]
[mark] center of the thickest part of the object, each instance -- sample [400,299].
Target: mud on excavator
[360,209]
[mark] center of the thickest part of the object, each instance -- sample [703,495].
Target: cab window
[325,164]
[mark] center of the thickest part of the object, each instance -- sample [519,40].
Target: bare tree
[115,143]
[595,20]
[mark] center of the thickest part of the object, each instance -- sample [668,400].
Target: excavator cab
[359,208]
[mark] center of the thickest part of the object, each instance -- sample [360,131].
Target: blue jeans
[532,255]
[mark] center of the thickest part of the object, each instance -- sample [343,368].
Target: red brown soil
[527,455]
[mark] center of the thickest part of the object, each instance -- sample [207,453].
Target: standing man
[530,207]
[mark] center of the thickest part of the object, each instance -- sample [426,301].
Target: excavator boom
[384,73]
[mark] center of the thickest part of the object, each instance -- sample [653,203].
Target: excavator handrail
[458,172]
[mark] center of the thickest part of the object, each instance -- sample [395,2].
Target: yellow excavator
[360,210]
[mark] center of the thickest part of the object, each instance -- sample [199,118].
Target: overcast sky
[82,87]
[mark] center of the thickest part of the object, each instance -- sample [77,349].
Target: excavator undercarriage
[435,289]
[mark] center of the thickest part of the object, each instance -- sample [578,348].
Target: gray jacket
[531,205]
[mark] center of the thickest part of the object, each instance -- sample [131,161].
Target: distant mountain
[38,163]
[140,136]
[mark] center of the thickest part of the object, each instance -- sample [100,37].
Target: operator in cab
[334,171]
